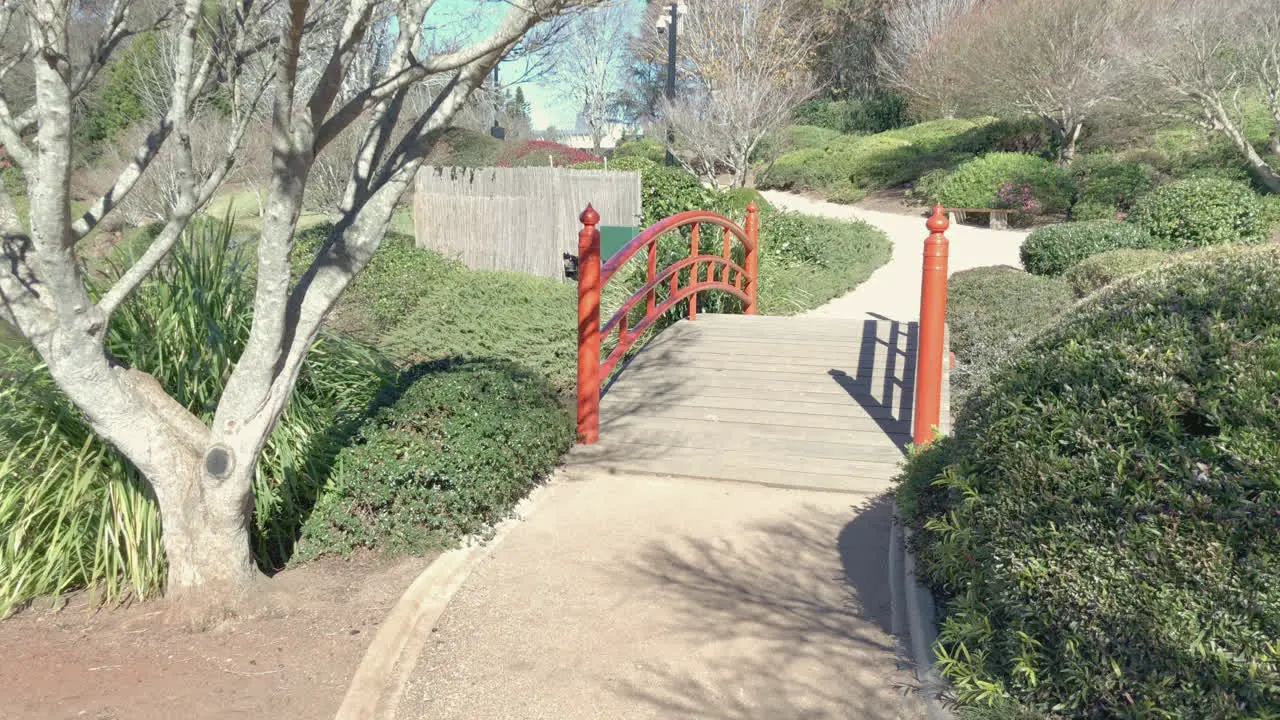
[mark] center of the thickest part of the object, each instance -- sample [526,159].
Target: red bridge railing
[704,273]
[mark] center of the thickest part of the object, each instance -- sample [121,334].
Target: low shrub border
[1102,531]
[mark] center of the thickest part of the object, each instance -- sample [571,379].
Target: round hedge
[1096,272]
[1054,249]
[976,183]
[1106,523]
[1200,212]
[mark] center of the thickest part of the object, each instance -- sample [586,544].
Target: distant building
[582,140]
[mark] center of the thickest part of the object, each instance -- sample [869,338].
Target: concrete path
[722,553]
[631,597]
[894,290]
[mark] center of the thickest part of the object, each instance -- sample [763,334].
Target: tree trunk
[206,534]
[1266,174]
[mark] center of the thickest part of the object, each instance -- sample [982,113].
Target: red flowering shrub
[540,153]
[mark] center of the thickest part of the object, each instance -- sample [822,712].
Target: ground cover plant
[1123,561]
[991,313]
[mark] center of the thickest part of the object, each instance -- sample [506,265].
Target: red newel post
[752,229]
[933,318]
[589,327]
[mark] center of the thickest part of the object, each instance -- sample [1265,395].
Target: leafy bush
[79,515]
[1104,535]
[1105,180]
[976,183]
[666,191]
[1200,212]
[646,148]
[991,312]
[541,153]
[806,261]
[396,278]
[459,147]
[457,445]
[1089,210]
[796,137]
[823,113]
[116,103]
[489,314]
[1096,272]
[1054,249]
[733,203]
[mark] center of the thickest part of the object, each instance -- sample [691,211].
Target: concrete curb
[913,612]
[380,680]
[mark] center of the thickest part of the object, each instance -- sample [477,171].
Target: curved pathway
[642,588]
[893,291]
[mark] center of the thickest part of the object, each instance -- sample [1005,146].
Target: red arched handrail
[722,274]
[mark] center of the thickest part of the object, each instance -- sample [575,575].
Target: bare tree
[921,55]
[747,64]
[1202,61]
[201,474]
[590,64]
[1056,60]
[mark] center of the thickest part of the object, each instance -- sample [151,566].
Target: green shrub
[456,446]
[1200,212]
[116,103]
[1053,249]
[490,314]
[646,148]
[1105,180]
[976,183]
[1089,210]
[880,111]
[396,279]
[1269,215]
[1105,537]
[733,203]
[807,261]
[666,191]
[991,312]
[459,147]
[1096,272]
[79,515]
[796,137]
[826,114]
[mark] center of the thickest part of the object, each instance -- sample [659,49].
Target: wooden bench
[999,218]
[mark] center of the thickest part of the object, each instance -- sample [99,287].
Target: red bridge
[801,401]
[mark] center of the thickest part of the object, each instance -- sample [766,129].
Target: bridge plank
[819,403]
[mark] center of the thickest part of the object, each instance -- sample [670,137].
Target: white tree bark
[202,476]
[1198,60]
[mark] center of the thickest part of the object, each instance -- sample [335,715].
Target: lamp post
[668,22]
[497,130]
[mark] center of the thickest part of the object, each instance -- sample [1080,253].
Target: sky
[458,18]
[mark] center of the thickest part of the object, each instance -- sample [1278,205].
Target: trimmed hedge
[847,166]
[1054,249]
[1103,529]
[976,183]
[455,446]
[991,312]
[1096,272]
[1200,212]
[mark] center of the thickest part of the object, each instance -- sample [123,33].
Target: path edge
[380,679]
[913,615]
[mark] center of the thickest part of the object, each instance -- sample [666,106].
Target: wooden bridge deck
[806,402]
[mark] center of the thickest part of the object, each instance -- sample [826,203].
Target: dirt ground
[290,656]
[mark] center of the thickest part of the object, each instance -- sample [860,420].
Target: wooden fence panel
[521,219]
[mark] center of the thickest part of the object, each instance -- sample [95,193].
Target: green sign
[613,237]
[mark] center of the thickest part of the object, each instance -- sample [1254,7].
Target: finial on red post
[752,208]
[590,216]
[938,222]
